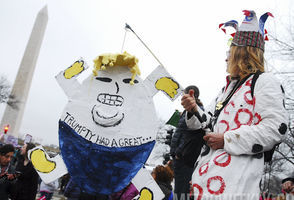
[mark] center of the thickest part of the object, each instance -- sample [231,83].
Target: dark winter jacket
[178,139]
[6,185]
[27,183]
[181,135]
[186,144]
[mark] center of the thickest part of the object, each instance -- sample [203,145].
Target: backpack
[268,155]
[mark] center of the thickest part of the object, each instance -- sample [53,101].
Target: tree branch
[286,158]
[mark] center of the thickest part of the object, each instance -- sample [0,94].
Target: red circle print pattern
[249,100]
[222,185]
[200,190]
[248,83]
[237,121]
[226,123]
[258,117]
[231,103]
[203,169]
[222,164]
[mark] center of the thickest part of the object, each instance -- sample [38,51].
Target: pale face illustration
[107,110]
[108,128]
[111,103]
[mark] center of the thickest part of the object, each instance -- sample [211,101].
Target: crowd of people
[18,178]
[217,150]
[19,181]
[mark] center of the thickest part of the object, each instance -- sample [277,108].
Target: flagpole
[128,27]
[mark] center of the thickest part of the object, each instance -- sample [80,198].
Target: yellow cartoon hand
[75,69]
[146,194]
[167,85]
[40,161]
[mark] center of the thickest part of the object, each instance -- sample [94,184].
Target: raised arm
[67,78]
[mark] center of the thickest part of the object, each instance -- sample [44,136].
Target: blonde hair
[244,60]
[112,60]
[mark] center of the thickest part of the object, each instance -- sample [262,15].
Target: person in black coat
[7,173]
[27,183]
[183,165]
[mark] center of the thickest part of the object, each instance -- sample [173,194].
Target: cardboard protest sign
[28,138]
[49,169]
[147,186]
[161,80]
[108,128]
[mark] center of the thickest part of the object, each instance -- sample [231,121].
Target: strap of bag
[217,112]
[255,77]
[268,155]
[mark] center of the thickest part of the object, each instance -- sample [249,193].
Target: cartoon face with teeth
[111,101]
[108,128]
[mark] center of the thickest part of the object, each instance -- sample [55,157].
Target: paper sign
[161,80]
[147,186]
[28,138]
[109,126]
[49,169]
[11,140]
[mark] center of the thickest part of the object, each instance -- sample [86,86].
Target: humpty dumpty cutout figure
[108,128]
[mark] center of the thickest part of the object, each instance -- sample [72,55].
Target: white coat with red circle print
[251,125]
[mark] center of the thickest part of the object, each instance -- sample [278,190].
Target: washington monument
[13,117]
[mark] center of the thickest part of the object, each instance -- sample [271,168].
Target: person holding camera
[7,173]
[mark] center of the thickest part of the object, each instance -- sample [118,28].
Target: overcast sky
[184,35]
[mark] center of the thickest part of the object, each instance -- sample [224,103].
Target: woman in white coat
[243,125]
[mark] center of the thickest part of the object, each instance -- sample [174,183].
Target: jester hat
[251,32]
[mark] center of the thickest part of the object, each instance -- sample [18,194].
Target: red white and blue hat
[251,32]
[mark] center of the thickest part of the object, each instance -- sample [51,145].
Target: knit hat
[251,32]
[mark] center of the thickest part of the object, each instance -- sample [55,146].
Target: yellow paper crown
[112,60]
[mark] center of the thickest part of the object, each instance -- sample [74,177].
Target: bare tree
[5,96]
[285,152]
[280,57]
